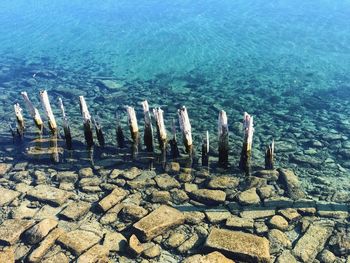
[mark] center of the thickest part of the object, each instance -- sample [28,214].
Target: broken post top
[60,103]
[185,125]
[47,108]
[158,116]
[222,123]
[248,130]
[32,110]
[84,109]
[132,119]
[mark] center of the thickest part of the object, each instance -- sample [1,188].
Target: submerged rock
[209,197]
[48,194]
[312,242]
[158,221]
[12,229]
[243,246]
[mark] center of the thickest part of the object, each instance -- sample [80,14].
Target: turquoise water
[285,62]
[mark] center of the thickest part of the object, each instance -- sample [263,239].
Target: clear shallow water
[286,63]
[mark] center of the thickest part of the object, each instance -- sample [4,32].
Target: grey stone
[7,196]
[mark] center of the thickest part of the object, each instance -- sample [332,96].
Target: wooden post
[185,126]
[47,108]
[13,133]
[246,154]
[134,130]
[53,145]
[99,133]
[66,128]
[20,120]
[86,121]
[119,133]
[205,150]
[33,111]
[175,153]
[148,133]
[269,156]
[161,132]
[223,139]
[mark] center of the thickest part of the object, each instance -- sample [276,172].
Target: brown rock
[4,168]
[166,182]
[131,213]
[217,216]
[223,182]
[292,184]
[115,242]
[78,241]
[48,194]
[135,245]
[152,252]
[75,210]
[7,196]
[94,254]
[278,222]
[7,255]
[161,197]
[11,230]
[112,199]
[209,197]
[166,218]
[59,257]
[213,257]
[176,239]
[236,222]
[249,197]
[45,245]
[246,247]
[312,242]
[35,234]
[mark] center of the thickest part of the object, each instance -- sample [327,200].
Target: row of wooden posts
[184,121]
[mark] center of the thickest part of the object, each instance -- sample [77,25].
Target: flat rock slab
[157,222]
[48,194]
[292,184]
[11,230]
[312,242]
[213,257]
[166,182]
[39,252]
[7,196]
[112,199]
[209,197]
[75,210]
[78,241]
[97,253]
[243,246]
[35,234]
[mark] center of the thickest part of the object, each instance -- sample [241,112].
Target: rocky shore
[132,214]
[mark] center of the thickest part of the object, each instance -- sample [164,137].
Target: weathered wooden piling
[223,139]
[161,132]
[246,154]
[205,150]
[66,128]
[20,120]
[134,130]
[48,111]
[269,156]
[119,133]
[185,126]
[99,133]
[174,149]
[148,132]
[33,111]
[86,121]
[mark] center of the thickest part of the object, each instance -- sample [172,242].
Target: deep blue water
[285,62]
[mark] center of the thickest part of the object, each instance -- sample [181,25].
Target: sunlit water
[287,63]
